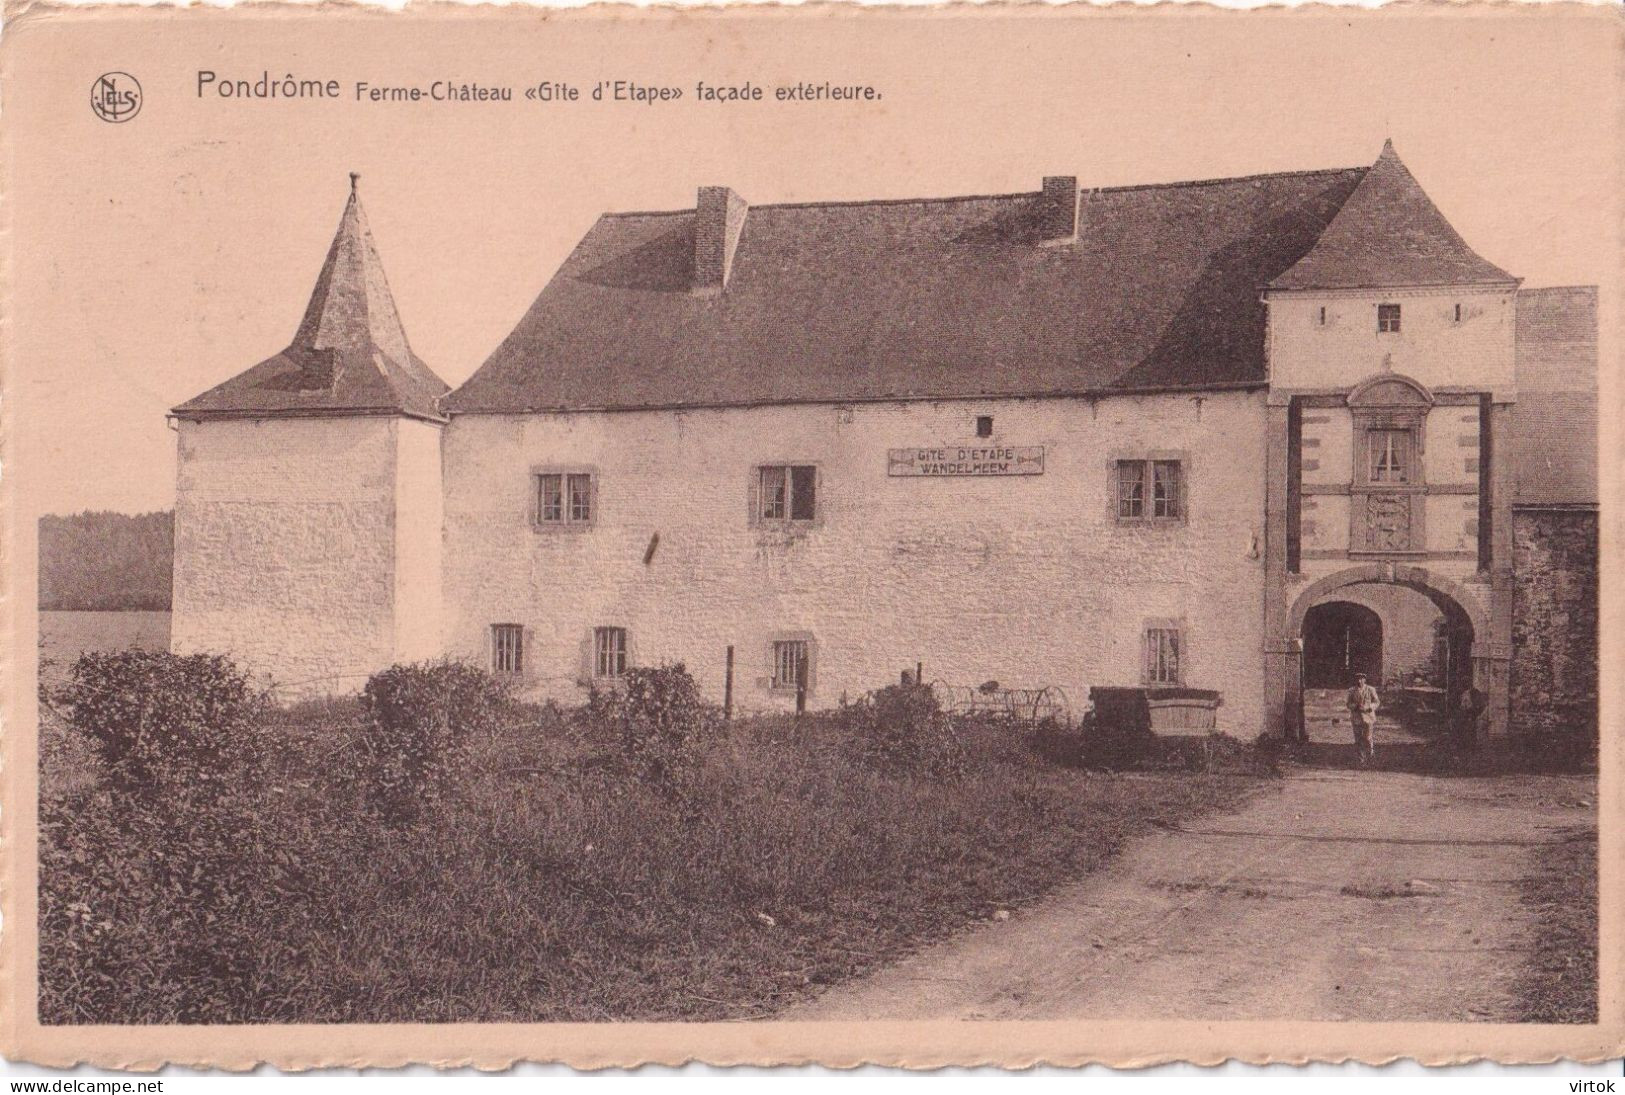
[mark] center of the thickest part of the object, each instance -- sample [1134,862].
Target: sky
[155,258]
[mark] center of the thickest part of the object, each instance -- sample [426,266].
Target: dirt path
[1363,896]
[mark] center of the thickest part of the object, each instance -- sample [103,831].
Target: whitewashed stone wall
[1027,580]
[287,540]
[418,538]
[1432,346]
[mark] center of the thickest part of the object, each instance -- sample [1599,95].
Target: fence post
[728,687]
[919,673]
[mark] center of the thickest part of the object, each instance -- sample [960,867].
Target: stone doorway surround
[1489,651]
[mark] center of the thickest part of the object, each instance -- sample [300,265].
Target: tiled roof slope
[912,299]
[1389,233]
[350,353]
[1554,422]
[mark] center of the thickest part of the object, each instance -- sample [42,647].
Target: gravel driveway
[1344,895]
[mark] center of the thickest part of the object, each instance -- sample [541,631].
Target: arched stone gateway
[1448,594]
[1475,656]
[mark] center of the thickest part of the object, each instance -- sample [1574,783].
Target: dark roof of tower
[350,354]
[1389,233]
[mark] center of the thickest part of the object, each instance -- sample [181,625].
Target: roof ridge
[1003,196]
[1230,179]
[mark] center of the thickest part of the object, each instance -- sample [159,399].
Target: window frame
[1390,318]
[565,522]
[595,654]
[494,638]
[1147,462]
[1405,450]
[757,496]
[1159,626]
[1388,402]
[771,651]
[1131,489]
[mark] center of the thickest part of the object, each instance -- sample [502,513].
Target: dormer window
[1388,319]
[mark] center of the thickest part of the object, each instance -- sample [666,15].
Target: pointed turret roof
[350,354]
[1389,233]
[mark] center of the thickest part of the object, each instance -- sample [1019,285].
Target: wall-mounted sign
[967,460]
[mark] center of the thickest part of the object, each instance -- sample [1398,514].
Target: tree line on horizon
[101,561]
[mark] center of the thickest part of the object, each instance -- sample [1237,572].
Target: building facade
[1238,435]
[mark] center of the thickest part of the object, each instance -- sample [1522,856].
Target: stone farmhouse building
[1243,434]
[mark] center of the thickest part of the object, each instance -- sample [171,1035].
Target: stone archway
[1467,621]
[1450,595]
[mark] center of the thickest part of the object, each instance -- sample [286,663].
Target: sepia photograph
[704,532]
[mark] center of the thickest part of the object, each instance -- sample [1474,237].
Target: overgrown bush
[418,723]
[161,874]
[660,719]
[165,723]
[179,910]
[903,726]
[546,885]
[1059,743]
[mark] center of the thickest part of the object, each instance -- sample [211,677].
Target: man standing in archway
[1362,705]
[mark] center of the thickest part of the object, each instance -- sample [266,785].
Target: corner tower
[308,494]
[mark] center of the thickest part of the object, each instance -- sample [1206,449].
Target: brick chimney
[1058,210]
[719,217]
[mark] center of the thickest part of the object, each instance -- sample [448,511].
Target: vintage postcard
[936,536]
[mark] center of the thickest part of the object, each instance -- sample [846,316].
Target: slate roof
[1554,422]
[349,355]
[1389,233]
[916,299]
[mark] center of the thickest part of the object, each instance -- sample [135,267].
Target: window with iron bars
[609,652]
[1162,656]
[507,648]
[790,666]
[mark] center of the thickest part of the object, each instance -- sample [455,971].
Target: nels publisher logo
[115,97]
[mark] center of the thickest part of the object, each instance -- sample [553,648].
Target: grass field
[553,883]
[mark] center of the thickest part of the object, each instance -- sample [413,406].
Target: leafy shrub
[416,730]
[660,719]
[903,726]
[164,722]
[1059,743]
[201,911]
[560,891]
